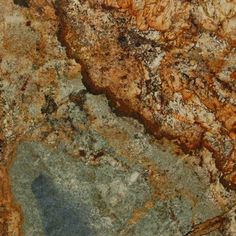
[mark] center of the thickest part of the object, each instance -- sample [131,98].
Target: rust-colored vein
[112,65]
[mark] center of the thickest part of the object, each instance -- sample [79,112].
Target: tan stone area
[181,87]
[170,64]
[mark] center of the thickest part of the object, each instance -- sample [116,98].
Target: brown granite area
[169,64]
[181,88]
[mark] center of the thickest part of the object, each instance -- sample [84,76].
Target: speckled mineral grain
[117,117]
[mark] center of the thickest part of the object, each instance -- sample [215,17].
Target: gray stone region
[63,195]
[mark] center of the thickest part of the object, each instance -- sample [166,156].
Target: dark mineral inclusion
[22,3]
[60,216]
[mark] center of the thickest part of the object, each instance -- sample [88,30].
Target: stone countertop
[117,118]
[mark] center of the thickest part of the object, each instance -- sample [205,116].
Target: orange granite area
[170,64]
[180,86]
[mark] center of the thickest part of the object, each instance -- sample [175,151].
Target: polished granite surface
[117,118]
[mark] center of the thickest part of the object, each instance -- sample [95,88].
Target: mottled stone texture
[178,79]
[117,117]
